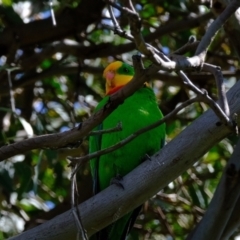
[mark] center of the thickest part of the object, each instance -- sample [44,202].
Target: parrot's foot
[117,181]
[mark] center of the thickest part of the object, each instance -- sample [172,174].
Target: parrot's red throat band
[113,90]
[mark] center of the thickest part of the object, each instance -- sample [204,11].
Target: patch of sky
[80,105]
[2,60]
[18,76]
[138,7]
[165,50]
[106,13]
[39,107]
[50,204]
[37,50]
[19,53]
[64,128]
[18,111]
[18,158]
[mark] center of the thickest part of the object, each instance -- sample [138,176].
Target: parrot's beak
[109,76]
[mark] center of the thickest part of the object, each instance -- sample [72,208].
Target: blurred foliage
[62,89]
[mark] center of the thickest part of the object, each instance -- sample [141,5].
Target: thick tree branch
[232,26]
[233,223]
[213,29]
[82,160]
[222,205]
[176,157]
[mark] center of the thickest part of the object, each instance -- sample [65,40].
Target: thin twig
[159,58]
[193,62]
[207,99]
[222,98]
[69,138]
[119,32]
[115,22]
[52,13]
[163,219]
[112,148]
[175,158]
[75,210]
[104,131]
[11,93]
[189,46]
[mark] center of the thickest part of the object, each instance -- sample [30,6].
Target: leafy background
[57,82]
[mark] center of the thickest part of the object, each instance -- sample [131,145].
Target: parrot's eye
[126,70]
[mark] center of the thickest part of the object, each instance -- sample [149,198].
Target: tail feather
[131,222]
[118,230]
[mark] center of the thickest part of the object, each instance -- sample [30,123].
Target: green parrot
[137,111]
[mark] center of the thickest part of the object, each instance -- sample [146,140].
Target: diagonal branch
[68,138]
[76,211]
[144,181]
[233,223]
[207,99]
[186,63]
[216,71]
[161,61]
[82,160]
[110,130]
[214,27]
[221,207]
[189,46]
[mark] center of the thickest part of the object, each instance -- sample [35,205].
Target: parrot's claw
[117,181]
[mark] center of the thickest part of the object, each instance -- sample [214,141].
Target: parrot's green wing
[137,111]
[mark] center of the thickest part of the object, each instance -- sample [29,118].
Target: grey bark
[144,181]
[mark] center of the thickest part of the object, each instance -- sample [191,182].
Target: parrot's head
[117,75]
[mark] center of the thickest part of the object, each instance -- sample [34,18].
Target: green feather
[137,111]
[126,69]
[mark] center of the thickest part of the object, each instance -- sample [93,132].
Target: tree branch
[232,26]
[213,29]
[176,157]
[222,205]
[158,58]
[233,223]
[82,160]
[168,78]
[65,139]
[216,71]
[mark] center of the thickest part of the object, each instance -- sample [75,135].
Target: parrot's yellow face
[117,75]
